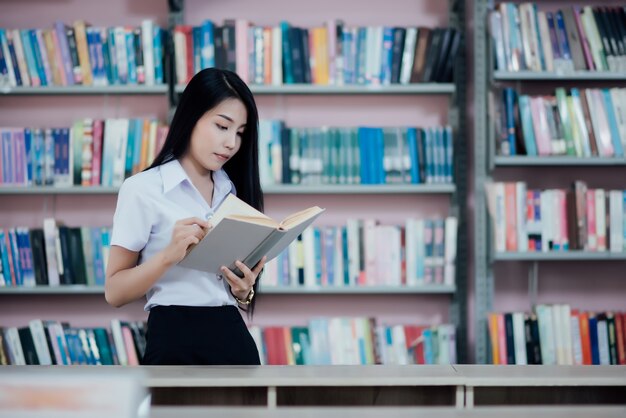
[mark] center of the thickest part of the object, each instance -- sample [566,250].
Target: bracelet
[248,299]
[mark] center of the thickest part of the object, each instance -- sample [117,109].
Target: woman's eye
[240,134]
[221,128]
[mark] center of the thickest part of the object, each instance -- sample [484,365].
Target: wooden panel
[240,396]
[377,395]
[572,395]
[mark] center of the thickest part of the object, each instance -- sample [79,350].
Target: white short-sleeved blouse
[148,205]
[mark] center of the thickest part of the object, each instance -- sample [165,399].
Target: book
[240,232]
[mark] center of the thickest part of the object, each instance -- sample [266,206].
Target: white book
[41,345]
[595,43]
[16,353]
[21,61]
[369,246]
[566,334]
[338,259]
[147,29]
[443,343]
[119,158]
[557,332]
[603,342]
[180,57]
[399,345]
[546,44]
[577,349]
[54,264]
[449,270]
[519,338]
[118,341]
[265,139]
[497,37]
[616,221]
[257,336]
[496,197]
[546,335]
[121,54]
[408,55]
[277,56]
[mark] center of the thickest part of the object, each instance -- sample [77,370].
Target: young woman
[210,151]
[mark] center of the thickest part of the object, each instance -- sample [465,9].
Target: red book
[96,164]
[620,332]
[585,342]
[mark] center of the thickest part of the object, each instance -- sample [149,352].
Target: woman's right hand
[187,232]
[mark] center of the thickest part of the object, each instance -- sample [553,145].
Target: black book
[39,256]
[66,275]
[53,356]
[285,142]
[510,340]
[220,54]
[442,53]
[296,55]
[229,42]
[610,325]
[613,34]
[447,73]
[618,28]
[138,49]
[606,44]
[306,55]
[71,42]
[430,61]
[397,50]
[28,346]
[77,256]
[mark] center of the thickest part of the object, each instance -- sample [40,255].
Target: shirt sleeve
[132,221]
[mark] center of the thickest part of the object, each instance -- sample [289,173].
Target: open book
[241,232]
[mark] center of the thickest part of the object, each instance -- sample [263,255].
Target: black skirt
[198,335]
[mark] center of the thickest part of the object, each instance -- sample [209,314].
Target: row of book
[92,152]
[557,220]
[53,255]
[355,155]
[365,253]
[81,54]
[343,340]
[583,123]
[569,39]
[557,334]
[325,341]
[57,343]
[330,54]
[95,152]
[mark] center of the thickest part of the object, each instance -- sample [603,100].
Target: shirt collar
[173,174]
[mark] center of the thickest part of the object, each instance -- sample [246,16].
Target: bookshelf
[570,276]
[277,101]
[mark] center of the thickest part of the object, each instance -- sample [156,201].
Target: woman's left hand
[241,286]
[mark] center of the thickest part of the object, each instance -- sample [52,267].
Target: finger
[248,275]
[193,220]
[259,266]
[191,240]
[189,230]
[236,284]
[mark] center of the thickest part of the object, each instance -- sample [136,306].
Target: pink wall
[296,110]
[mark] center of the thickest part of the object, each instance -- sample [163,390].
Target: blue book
[329,253]
[318,248]
[129,37]
[538,38]
[593,338]
[413,154]
[16,68]
[30,57]
[347,45]
[429,154]
[137,141]
[287,64]
[28,154]
[561,36]
[130,147]
[107,56]
[363,155]
[39,64]
[28,258]
[115,78]
[379,150]
[91,49]
[158,55]
[98,257]
[528,132]
[208,45]
[99,50]
[387,57]
[15,251]
[4,62]
[7,160]
[344,254]
[196,36]
[556,51]
[5,258]
[449,150]
[509,104]
[610,116]
[429,355]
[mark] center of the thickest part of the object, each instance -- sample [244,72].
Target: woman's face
[217,135]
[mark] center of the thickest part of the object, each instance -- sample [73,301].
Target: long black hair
[206,90]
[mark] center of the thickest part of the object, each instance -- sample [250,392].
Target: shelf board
[361,290]
[361,189]
[276,189]
[547,76]
[370,290]
[84,90]
[396,89]
[560,256]
[52,190]
[557,161]
[54,290]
